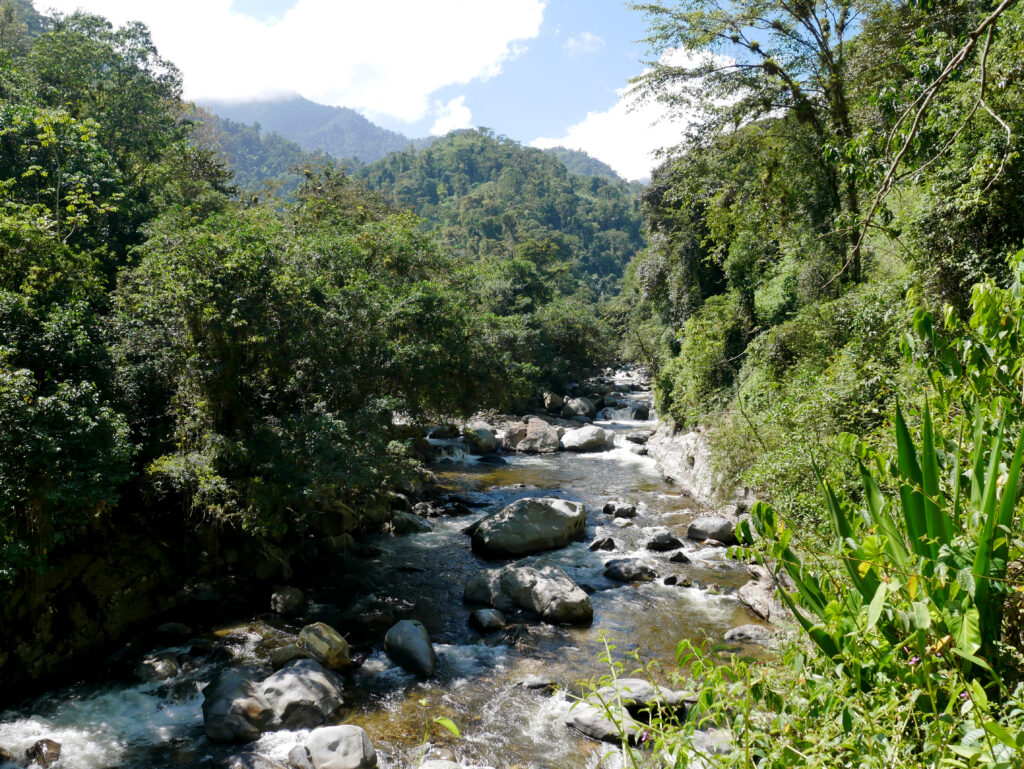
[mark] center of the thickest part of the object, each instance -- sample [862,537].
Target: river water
[478,680]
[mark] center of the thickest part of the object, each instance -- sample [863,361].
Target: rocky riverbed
[487,605]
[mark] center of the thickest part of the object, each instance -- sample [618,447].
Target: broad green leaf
[448,724]
[876,606]
[965,629]
[922,617]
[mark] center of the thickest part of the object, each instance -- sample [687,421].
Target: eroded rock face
[408,644]
[514,433]
[547,591]
[340,747]
[325,644]
[303,694]
[540,438]
[713,527]
[234,708]
[529,526]
[588,438]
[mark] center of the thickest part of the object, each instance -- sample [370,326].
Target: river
[478,681]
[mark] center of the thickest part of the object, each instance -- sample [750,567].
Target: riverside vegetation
[831,285]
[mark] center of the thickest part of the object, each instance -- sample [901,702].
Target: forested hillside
[490,198]
[337,131]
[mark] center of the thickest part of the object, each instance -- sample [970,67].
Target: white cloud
[451,116]
[381,58]
[626,135]
[586,42]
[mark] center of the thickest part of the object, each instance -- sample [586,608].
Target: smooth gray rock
[325,644]
[288,601]
[282,655]
[628,570]
[638,437]
[340,747]
[663,542]
[408,644]
[547,591]
[234,708]
[540,438]
[713,527]
[579,407]
[303,694]
[487,620]
[588,438]
[529,526]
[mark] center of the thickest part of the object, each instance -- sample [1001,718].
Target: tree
[759,60]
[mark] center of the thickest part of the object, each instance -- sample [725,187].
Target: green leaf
[922,617]
[965,629]
[876,605]
[448,724]
[965,578]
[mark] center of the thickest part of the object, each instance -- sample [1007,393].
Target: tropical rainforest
[205,326]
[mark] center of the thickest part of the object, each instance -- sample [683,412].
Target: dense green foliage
[242,365]
[582,164]
[804,334]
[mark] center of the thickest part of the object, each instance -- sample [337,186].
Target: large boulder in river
[588,438]
[481,438]
[409,523]
[341,747]
[529,526]
[325,644]
[303,694]
[234,708]
[547,591]
[579,407]
[713,527]
[408,645]
[540,438]
[513,434]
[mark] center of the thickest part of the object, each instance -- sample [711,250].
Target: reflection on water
[477,683]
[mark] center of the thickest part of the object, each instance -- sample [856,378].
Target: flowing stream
[478,681]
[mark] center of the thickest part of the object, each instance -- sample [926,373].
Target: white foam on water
[95,731]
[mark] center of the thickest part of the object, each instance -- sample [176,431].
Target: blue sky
[543,72]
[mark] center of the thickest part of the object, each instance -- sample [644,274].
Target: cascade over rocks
[588,438]
[253,761]
[408,645]
[547,591]
[45,753]
[530,525]
[638,699]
